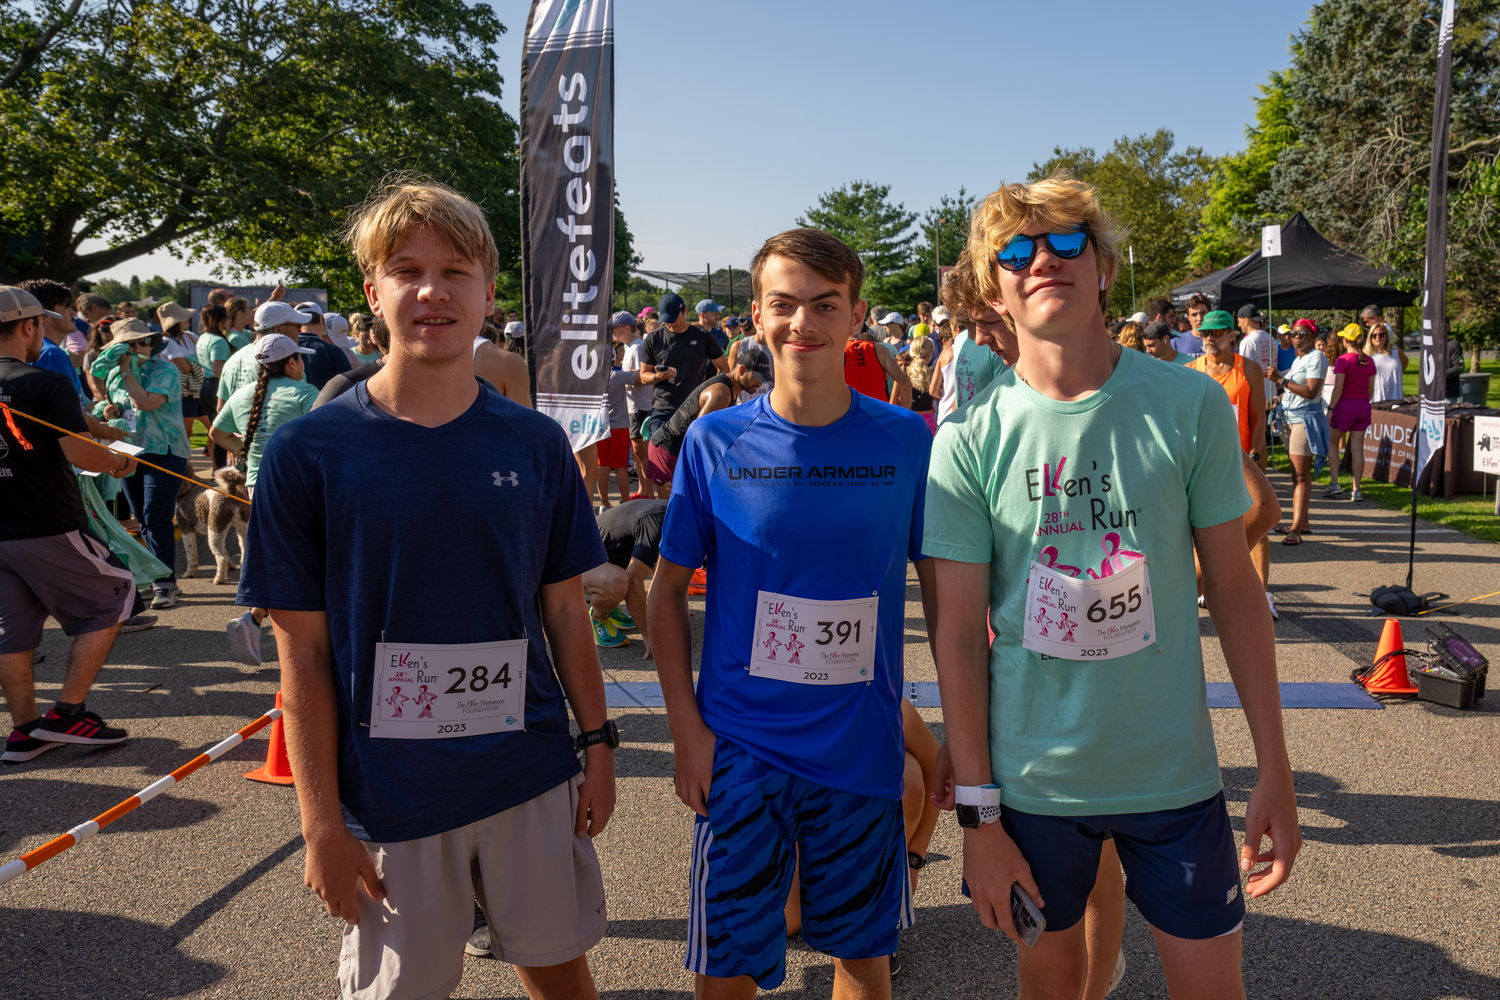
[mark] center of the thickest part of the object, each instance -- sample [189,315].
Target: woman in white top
[180,347]
[1390,364]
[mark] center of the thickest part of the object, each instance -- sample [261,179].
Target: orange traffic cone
[1389,676]
[277,769]
[699,583]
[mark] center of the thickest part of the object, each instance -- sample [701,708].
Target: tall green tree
[862,215]
[1156,192]
[242,130]
[1231,221]
[948,239]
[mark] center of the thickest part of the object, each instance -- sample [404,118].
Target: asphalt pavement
[199,893]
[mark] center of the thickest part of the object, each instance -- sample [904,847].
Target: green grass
[1465,512]
[1409,380]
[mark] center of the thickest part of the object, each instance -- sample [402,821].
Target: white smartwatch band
[984,797]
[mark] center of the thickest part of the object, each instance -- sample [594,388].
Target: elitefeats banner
[567,210]
[1433,374]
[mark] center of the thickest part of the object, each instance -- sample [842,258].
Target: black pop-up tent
[1311,273]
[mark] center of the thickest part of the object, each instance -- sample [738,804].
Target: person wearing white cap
[327,359]
[244,427]
[336,330]
[274,316]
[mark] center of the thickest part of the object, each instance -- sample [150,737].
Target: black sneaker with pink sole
[23,746]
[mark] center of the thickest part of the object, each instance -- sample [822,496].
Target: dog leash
[140,461]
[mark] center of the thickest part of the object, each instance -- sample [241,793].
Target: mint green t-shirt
[1017,477]
[286,399]
[1182,358]
[974,368]
[238,339]
[211,348]
[240,369]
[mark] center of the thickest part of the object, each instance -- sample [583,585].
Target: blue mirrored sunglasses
[1018,254]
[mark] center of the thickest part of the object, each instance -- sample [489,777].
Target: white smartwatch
[977,805]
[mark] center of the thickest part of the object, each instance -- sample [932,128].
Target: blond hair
[399,206]
[920,370]
[1130,336]
[1056,204]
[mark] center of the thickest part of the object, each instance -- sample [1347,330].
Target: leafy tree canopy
[239,129]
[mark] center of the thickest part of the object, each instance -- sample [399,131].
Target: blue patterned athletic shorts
[856,894]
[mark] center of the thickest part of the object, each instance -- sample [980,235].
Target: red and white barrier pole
[84,831]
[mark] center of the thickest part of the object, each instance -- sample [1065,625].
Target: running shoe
[606,635]
[1356,497]
[1334,492]
[896,961]
[1119,973]
[137,623]
[85,727]
[1201,603]
[165,599]
[1275,615]
[23,746]
[244,640]
[478,944]
[622,619]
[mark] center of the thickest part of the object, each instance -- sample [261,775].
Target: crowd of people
[1045,477]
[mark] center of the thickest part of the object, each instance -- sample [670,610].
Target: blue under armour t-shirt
[430,535]
[819,513]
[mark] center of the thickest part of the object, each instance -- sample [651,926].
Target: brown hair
[1198,301]
[215,319]
[399,206]
[1058,203]
[274,369]
[381,334]
[89,300]
[827,255]
[234,307]
[961,292]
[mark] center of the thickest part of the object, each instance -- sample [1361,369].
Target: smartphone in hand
[1029,920]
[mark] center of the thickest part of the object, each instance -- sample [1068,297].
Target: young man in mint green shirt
[1067,500]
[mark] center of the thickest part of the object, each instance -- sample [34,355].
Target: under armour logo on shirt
[510,480]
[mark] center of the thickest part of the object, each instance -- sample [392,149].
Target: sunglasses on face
[1018,254]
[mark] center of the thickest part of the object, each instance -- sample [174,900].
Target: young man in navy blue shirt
[419,542]
[807,504]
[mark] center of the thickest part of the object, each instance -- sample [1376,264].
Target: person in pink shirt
[1349,413]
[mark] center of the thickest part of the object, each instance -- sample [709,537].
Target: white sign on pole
[1487,445]
[1270,241]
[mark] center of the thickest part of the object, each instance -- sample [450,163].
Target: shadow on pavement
[32,808]
[1384,819]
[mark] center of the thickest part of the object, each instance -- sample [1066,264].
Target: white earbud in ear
[1103,282]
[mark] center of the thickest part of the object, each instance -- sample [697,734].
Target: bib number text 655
[1117,605]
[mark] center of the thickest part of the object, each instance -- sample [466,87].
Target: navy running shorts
[856,894]
[1181,867]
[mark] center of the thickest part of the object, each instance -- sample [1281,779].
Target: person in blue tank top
[807,504]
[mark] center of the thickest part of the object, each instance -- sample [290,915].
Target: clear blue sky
[731,118]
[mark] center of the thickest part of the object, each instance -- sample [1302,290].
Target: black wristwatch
[916,862]
[608,734]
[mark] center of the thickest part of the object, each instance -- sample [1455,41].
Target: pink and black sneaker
[85,727]
[22,745]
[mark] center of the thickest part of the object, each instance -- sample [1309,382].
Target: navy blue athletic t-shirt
[821,513]
[430,535]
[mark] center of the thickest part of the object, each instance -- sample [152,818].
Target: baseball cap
[1157,331]
[893,317]
[670,306]
[756,361]
[914,318]
[648,311]
[940,314]
[622,318]
[1249,311]
[336,324]
[1352,332]
[269,314]
[276,346]
[1283,328]
[733,321]
[18,303]
[515,328]
[1138,317]
[707,305]
[1219,319]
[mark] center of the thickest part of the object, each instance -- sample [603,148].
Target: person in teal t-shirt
[1067,500]
[279,394]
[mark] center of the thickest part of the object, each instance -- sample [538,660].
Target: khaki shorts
[547,907]
[1296,440]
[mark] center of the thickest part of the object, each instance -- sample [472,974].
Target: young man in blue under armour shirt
[807,504]
[420,541]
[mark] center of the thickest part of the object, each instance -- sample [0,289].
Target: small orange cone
[277,769]
[1390,677]
[699,583]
